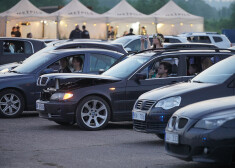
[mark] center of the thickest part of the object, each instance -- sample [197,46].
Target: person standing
[85,33]
[76,33]
[13,31]
[130,32]
[18,33]
[158,40]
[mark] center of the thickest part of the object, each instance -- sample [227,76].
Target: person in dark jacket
[76,33]
[85,33]
[13,31]
[64,66]
[17,33]
[130,32]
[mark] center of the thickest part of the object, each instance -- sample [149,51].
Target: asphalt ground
[32,142]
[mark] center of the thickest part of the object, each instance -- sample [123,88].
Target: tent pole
[5,26]
[57,27]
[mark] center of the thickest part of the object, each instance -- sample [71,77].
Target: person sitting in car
[164,69]
[206,63]
[77,64]
[193,69]
[64,66]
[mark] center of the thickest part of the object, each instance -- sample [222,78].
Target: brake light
[67,96]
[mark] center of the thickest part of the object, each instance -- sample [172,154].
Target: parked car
[203,131]
[153,109]
[189,45]
[18,49]
[18,90]
[219,40]
[71,45]
[116,90]
[133,44]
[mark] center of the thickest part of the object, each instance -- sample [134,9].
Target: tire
[161,136]
[11,103]
[93,113]
[64,123]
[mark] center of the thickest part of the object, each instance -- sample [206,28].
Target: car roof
[20,39]
[82,50]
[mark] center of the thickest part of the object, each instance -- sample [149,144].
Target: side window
[197,64]
[174,41]
[217,39]
[99,61]
[167,67]
[199,39]
[134,45]
[17,47]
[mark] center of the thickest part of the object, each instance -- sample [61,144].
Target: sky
[219,3]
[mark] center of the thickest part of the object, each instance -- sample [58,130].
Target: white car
[219,40]
[132,43]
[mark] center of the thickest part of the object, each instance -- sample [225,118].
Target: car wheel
[161,136]
[11,103]
[64,123]
[93,113]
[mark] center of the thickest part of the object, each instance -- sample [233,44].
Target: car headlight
[169,103]
[214,121]
[61,96]
[4,70]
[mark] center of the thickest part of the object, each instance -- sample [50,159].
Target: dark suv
[94,100]
[154,108]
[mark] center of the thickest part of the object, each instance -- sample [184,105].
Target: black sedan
[18,90]
[18,49]
[203,132]
[153,109]
[96,99]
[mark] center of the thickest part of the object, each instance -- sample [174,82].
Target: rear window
[171,40]
[217,39]
[17,47]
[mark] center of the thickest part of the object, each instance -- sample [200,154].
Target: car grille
[45,96]
[144,104]
[142,125]
[178,122]
[182,122]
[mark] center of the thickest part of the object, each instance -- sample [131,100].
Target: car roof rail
[161,50]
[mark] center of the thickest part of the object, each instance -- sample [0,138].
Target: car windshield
[33,62]
[122,40]
[217,73]
[126,67]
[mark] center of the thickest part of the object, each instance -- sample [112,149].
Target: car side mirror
[101,71]
[140,76]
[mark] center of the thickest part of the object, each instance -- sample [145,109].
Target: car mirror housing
[101,71]
[140,76]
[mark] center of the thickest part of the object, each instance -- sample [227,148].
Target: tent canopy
[173,13]
[124,12]
[25,10]
[76,10]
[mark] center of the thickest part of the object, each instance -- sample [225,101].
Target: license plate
[138,116]
[40,106]
[172,138]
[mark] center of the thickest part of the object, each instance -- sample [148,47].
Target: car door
[137,87]
[15,51]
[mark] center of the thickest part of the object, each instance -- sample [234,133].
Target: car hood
[207,107]
[44,79]
[174,90]
[8,66]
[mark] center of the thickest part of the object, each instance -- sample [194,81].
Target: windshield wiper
[14,71]
[195,81]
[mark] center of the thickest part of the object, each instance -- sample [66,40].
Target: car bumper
[155,121]
[57,111]
[202,146]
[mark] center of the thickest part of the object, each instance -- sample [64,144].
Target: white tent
[76,13]
[123,16]
[172,20]
[25,11]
